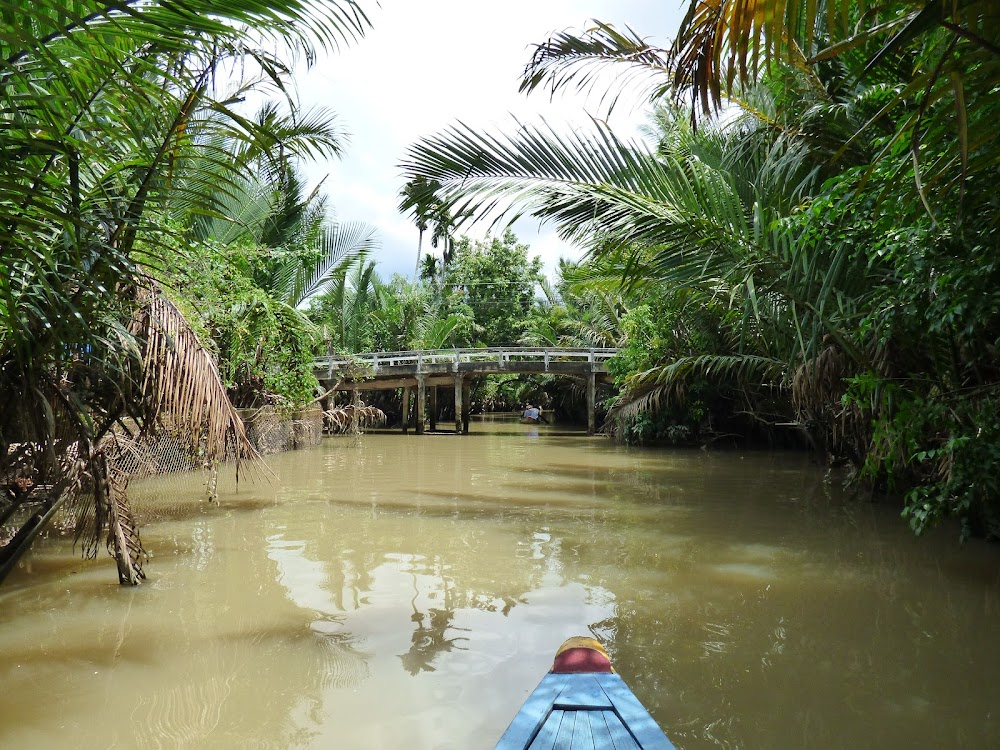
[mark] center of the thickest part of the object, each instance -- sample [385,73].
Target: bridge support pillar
[406,409]
[433,412]
[466,403]
[355,416]
[458,403]
[591,403]
[421,404]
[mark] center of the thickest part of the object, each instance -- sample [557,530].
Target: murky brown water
[408,592]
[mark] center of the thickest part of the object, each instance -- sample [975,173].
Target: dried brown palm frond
[180,384]
[181,379]
[819,382]
[340,419]
[336,420]
[818,388]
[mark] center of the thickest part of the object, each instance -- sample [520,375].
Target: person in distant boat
[530,413]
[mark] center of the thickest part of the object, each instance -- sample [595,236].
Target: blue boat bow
[583,704]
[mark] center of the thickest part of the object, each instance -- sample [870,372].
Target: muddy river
[396,591]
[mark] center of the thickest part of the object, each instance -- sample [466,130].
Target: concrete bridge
[429,369]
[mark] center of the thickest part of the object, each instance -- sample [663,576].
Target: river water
[396,591]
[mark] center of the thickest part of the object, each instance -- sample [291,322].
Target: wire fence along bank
[269,430]
[162,460]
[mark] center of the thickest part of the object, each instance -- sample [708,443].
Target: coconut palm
[409,315]
[347,307]
[103,107]
[417,198]
[923,60]
[272,249]
[715,210]
[584,309]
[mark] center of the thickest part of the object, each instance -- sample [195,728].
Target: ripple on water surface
[397,591]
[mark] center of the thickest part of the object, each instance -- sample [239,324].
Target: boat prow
[582,703]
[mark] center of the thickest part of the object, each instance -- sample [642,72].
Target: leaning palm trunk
[180,380]
[110,504]
[179,385]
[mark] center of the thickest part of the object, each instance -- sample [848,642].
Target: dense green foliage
[484,296]
[805,246]
[244,279]
[117,130]
[264,346]
[495,282]
[820,259]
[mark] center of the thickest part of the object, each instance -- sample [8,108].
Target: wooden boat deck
[586,711]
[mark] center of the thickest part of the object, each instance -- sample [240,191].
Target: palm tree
[347,306]
[584,309]
[278,249]
[417,197]
[712,209]
[444,232]
[102,113]
[924,61]
[410,315]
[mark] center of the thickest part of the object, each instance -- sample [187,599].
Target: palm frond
[744,368]
[306,25]
[648,398]
[436,331]
[581,60]
[340,246]
[722,42]
[666,384]
[590,185]
[181,380]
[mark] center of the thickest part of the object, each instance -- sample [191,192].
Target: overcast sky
[424,65]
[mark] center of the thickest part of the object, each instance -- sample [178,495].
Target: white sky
[425,65]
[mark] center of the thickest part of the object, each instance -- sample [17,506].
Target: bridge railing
[379,360]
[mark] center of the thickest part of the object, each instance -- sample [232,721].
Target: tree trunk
[420,252]
[123,532]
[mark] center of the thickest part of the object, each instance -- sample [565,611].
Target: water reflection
[430,638]
[408,592]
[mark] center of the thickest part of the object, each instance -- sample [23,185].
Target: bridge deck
[435,367]
[470,361]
